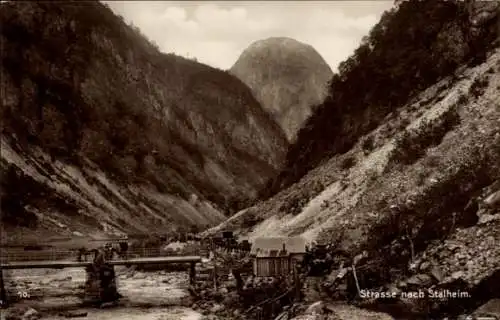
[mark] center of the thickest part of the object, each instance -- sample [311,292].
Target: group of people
[230,244]
[107,252]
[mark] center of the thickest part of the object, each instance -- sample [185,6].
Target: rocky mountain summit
[100,129]
[287,77]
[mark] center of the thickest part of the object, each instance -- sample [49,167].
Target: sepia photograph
[250,160]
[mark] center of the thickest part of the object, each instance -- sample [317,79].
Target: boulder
[308,317]
[283,316]
[437,273]
[20,313]
[457,275]
[74,314]
[420,280]
[31,314]
[217,308]
[424,266]
[493,200]
[349,312]
[315,308]
[489,309]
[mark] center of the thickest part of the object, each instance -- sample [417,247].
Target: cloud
[217,32]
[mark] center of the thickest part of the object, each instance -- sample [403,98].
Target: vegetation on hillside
[82,84]
[411,48]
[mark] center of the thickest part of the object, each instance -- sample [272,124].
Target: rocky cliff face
[287,77]
[100,127]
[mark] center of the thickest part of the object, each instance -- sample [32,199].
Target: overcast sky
[216,33]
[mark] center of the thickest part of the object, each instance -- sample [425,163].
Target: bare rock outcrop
[287,77]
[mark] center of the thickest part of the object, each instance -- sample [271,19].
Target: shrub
[348,163]
[463,99]
[372,175]
[421,177]
[250,219]
[479,86]
[411,146]
[404,122]
[368,144]
[432,161]
[316,188]
[293,206]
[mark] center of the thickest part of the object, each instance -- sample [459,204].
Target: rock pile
[470,254]
[321,310]
[463,270]
[21,313]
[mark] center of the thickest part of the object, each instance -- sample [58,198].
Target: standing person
[82,252]
[3,292]
[108,252]
[99,257]
[123,249]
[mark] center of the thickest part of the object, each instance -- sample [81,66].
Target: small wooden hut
[276,256]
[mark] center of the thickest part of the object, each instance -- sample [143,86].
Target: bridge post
[92,285]
[192,273]
[101,282]
[109,292]
[3,292]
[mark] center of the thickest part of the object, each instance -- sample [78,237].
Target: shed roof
[262,247]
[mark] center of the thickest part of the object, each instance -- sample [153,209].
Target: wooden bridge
[75,264]
[192,260]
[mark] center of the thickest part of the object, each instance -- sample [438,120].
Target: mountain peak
[287,76]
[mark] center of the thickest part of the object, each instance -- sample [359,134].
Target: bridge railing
[35,255]
[72,255]
[54,254]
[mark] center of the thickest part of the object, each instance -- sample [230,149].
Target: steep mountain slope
[411,48]
[287,77]
[451,125]
[98,125]
[430,172]
[419,193]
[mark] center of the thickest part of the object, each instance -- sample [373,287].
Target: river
[158,295]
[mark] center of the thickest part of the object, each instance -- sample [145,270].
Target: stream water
[156,295]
